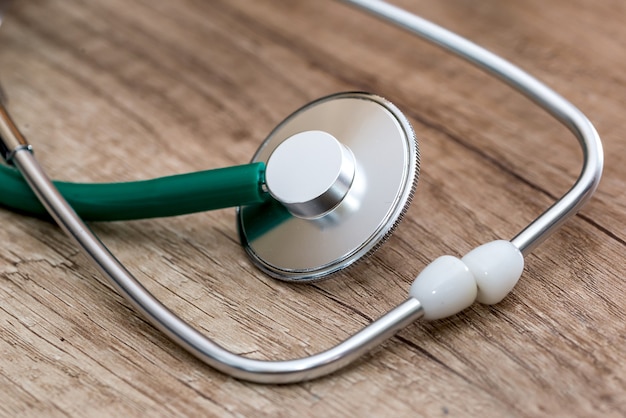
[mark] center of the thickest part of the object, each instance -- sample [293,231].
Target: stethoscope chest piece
[342,171]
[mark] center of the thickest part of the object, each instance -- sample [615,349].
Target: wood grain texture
[117,90]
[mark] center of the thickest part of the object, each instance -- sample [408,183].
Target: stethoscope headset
[325,189]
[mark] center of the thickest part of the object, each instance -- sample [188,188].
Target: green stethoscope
[326,188]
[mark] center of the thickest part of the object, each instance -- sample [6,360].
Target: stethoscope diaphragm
[352,197]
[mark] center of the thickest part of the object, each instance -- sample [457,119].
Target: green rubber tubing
[166,196]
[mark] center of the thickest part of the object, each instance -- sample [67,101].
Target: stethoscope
[326,188]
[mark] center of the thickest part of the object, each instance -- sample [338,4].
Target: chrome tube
[386,326]
[11,138]
[566,113]
[260,371]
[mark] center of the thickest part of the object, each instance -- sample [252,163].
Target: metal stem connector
[11,139]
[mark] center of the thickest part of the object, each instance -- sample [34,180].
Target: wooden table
[118,90]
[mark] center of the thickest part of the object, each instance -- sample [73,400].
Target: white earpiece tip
[496,266]
[444,288]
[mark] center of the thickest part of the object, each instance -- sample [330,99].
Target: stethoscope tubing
[347,351]
[173,195]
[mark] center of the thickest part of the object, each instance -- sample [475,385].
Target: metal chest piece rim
[339,204]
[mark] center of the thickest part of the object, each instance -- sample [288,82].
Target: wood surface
[121,90]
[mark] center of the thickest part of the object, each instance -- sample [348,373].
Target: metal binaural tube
[11,138]
[260,371]
[562,110]
[347,351]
